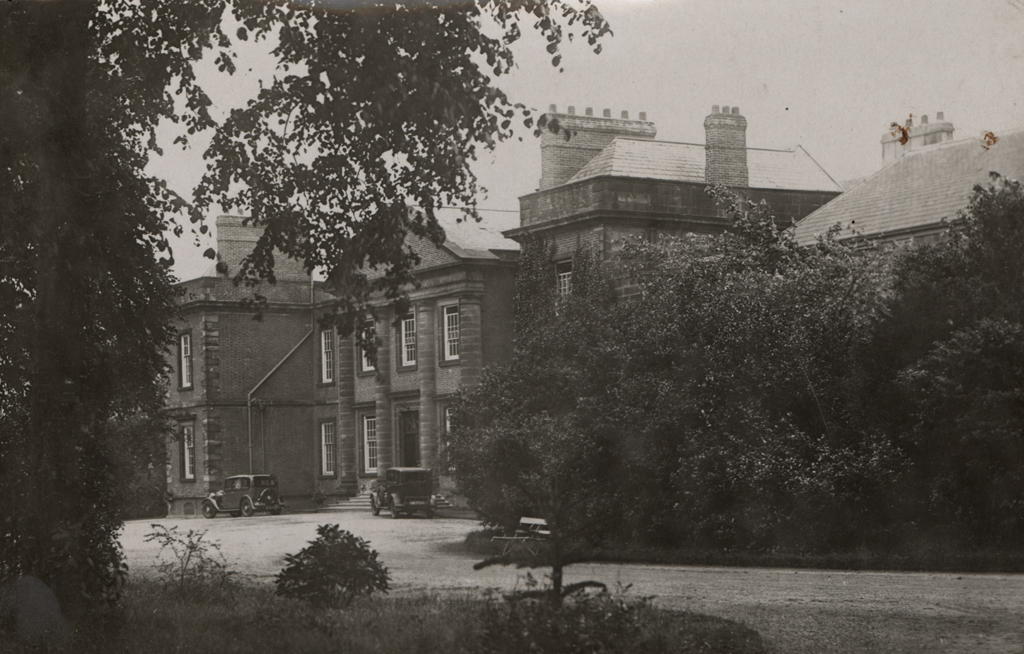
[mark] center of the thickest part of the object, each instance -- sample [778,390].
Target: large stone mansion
[282,395]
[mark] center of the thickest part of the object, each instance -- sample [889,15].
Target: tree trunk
[57,422]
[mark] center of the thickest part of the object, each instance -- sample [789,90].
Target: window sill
[449,363]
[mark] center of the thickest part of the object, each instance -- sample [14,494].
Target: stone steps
[361,502]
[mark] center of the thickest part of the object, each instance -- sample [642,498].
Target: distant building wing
[915,192]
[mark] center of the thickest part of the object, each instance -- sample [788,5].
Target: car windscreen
[414,477]
[263,482]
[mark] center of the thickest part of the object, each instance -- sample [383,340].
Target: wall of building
[638,199]
[497,315]
[232,353]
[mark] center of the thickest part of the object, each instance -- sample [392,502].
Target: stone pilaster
[209,450]
[385,433]
[471,353]
[208,346]
[426,372]
[348,441]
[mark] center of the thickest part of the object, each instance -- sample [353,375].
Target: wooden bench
[531,534]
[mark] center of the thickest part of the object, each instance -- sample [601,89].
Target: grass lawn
[155,620]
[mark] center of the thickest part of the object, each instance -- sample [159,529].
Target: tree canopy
[758,395]
[369,112]
[373,112]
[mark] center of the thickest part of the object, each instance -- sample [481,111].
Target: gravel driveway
[796,611]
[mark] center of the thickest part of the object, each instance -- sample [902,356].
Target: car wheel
[392,509]
[246,508]
[209,510]
[373,505]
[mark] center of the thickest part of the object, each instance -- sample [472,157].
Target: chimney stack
[236,240]
[918,136]
[725,148]
[581,138]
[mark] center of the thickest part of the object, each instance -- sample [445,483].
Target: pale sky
[830,75]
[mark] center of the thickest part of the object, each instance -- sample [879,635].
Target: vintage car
[244,495]
[404,490]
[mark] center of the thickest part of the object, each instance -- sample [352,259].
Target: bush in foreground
[336,568]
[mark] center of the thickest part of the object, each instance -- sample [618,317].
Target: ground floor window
[370,443]
[327,448]
[188,452]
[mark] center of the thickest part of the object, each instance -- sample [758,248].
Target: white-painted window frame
[452,325]
[327,356]
[327,449]
[407,341]
[188,458]
[370,443]
[185,359]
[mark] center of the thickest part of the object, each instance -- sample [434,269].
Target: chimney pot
[735,111]
[910,122]
[553,109]
[643,115]
[940,116]
[572,110]
[625,115]
[924,120]
[725,109]
[714,109]
[590,111]
[607,113]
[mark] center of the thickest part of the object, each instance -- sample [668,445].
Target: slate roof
[918,189]
[467,238]
[684,162]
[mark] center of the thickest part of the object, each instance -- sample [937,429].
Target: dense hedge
[761,396]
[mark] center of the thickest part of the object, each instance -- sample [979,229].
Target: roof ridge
[699,145]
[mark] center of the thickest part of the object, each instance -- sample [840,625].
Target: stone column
[426,372]
[471,354]
[348,443]
[385,436]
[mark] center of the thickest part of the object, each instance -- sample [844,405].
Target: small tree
[525,441]
[196,567]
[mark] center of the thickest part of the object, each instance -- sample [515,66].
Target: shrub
[586,622]
[335,569]
[607,623]
[198,568]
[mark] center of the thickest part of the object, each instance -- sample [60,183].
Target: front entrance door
[409,438]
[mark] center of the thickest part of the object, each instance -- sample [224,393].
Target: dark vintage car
[404,490]
[244,495]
